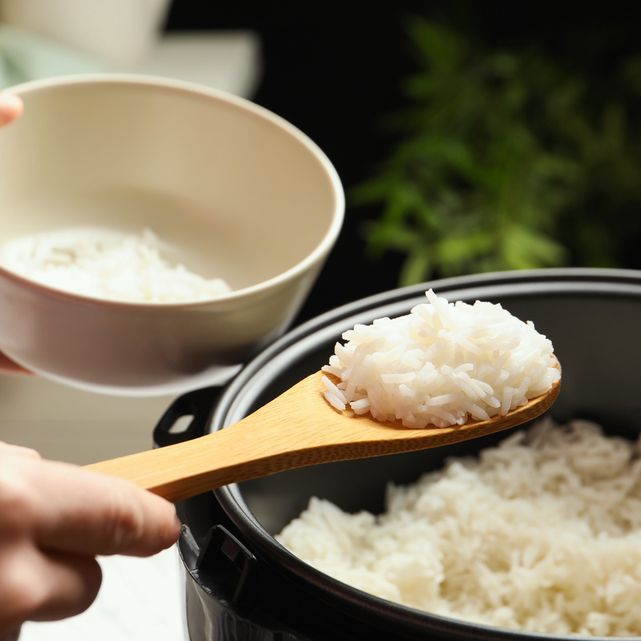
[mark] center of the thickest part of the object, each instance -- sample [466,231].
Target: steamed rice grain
[440,365]
[109,265]
[542,533]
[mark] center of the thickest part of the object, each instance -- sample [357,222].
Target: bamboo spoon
[296,429]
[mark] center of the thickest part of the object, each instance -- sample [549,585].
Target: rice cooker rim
[559,281]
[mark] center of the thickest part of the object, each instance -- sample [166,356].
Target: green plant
[507,161]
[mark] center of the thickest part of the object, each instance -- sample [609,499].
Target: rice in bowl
[106,264]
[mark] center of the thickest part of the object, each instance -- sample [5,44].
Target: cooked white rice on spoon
[441,364]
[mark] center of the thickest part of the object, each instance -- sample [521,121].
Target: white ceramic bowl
[238,192]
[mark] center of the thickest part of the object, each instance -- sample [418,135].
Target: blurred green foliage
[507,160]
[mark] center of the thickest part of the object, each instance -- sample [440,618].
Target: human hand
[54,519]
[7,365]
[10,107]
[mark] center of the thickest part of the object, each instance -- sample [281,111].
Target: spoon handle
[179,471]
[257,445]
[295,429]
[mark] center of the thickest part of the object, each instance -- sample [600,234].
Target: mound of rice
[542,533]
[108,265]
[441,364]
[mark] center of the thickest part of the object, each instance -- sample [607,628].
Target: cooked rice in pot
[541,533]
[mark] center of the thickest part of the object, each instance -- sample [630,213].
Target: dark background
[335,71]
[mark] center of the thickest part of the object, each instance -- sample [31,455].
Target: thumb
[10,107]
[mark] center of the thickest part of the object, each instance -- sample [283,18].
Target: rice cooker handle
[233,596]
[198,406]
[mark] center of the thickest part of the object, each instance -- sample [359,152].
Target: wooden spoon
[296,429]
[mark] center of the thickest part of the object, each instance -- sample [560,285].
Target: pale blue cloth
[27,56]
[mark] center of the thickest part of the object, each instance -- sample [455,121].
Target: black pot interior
[594,337]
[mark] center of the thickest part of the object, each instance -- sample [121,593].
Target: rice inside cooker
[441,364]
[108,265]
[541,533]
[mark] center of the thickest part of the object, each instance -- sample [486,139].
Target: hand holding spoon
[296,429]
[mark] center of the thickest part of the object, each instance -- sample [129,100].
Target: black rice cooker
[243,586]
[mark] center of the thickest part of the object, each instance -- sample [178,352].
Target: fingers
[64,508]
[19,450]
[7,365]
[10,107]
[88,513]
[71,587]
[54,519]
[12,634]
[43,587]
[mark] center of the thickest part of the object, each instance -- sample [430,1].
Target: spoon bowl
[296,429]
